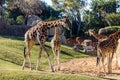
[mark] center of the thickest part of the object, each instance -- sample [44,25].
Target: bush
[20,20]
[114,19]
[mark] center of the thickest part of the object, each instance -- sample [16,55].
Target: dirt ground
[87,66]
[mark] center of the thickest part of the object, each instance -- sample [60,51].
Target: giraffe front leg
[39,56]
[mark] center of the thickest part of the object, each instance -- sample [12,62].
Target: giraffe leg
[39,56]
[98,62]
[46,53]
[29,45]
[24,58]
[58,60]
[103,59]
[55,57]
[41,42]
[110,63]
[98,67]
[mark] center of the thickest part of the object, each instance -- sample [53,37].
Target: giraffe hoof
[101,75]
[52,70]
[22,68]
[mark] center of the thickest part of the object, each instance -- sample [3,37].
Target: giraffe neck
[51,24]
[115,35]
[56,33]
[96,36]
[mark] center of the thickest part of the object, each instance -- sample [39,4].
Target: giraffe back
[111,43]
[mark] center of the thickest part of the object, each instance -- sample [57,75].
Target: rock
[33,20]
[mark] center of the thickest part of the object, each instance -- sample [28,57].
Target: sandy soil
[87,66]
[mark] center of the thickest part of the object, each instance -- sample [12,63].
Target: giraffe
[56,47]
[106,49]
[38,34]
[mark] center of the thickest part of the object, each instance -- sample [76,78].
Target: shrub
[114,19]
[20,20]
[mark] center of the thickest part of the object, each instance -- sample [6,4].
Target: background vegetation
[101,13]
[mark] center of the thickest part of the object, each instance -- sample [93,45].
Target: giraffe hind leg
[55,57]
[24,58]
[39,56]
[46,53]
[41,42]
[29,45]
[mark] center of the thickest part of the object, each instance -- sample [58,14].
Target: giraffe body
[38,34]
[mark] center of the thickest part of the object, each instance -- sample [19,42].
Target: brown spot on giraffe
[38,34]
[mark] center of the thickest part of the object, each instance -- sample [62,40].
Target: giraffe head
[91,32]
[65,22]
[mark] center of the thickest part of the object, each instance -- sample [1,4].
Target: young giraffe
[38,34]
[107,48]
[56,47]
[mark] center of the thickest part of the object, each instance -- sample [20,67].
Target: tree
[72,9]
[114,19]
[20,20]
[109,6]
[1,8]
[28,7]
[97,18]
[2,2]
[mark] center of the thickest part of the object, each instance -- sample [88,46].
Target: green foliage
[13,16]
[92,20]
[113,27]
[11,21]
[114,19]
[48,13]
[108,6]
[20,20]
[71,9]
[98,18]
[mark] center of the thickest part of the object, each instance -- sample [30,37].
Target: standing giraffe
[38,34]
[56,47]
[106,49]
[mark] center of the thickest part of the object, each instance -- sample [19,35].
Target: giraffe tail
[98,60]
[24,51]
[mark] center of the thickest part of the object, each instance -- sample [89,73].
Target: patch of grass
[11,50]
[26,75]
[5,65]
[11,59]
